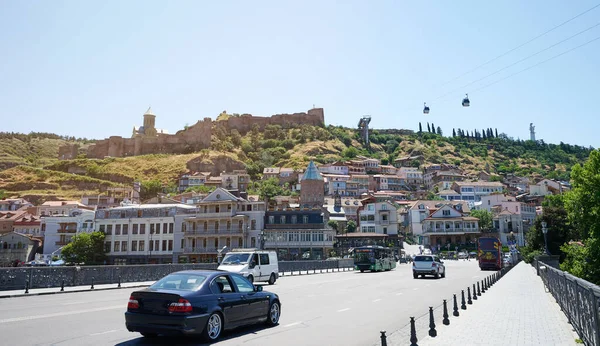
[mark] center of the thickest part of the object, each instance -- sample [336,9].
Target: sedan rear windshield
[424,258]
[179,282]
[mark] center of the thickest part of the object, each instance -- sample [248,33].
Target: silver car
[428,265]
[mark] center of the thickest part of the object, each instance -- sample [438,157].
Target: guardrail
[577,298]
[421,326]
[46,277]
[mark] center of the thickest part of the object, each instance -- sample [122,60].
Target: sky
[92,68]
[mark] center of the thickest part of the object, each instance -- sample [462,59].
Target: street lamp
[220,251]
[545,231]
[262,239]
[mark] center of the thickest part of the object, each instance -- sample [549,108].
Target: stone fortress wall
[192,139]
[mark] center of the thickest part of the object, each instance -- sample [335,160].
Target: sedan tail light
[183,305]
[133,303]
[433,265]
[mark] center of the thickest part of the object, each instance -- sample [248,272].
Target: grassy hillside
[45,178]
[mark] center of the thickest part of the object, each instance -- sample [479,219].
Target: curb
[64,292]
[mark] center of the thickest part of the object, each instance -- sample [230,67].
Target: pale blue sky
[91,68]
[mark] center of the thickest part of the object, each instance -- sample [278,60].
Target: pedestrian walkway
[71,289]
[517,310]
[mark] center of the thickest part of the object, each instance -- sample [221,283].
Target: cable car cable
[521,45]
[519,61]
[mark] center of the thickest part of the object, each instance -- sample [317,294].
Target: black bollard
[413,333]
[469,301]
[432,331]
[27,287]
[383,338]
[62,286]
[119,282]
[92,284]
[474,293]
[478,291]
[445,321]
[455,312]
[482,286]
[463,306]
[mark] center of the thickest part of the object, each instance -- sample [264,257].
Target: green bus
[374,258]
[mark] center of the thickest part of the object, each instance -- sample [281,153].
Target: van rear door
[264,266]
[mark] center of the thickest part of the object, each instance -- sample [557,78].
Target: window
[134,245]
[171,228]
[282,219]
[217,209]
[152,228]
[446,212]
[141,245]
[205,225]
[264,259]
[216,242]
[165,228]
[241,226]
[108,229]
[117,247]
[294,219]
[221,285]
[384,217]
[164,245]
[157,228]
[125,229]
[385,230]
[151,245]
[183,243]
[170,248]
[143,228]
[271,219]
[384,207]
[305,219]
[183,282]
[134,228]
[253,224]
[106,246]
[217,225]
[242,284]
[117,229]
[228,225]
[123,246]
[102,228]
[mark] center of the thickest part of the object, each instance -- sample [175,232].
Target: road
[346,308]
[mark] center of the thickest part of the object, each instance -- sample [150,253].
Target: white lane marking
[106,332]
[376,300]
[292,324]
[72,303]
[416,288]
[66,313]
[399,293]
[342,310]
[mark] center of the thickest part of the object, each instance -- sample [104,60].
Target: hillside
[275,147]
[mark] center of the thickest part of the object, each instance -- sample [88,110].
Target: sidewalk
[71,289]
[517,310]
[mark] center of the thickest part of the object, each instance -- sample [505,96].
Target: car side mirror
[258,288]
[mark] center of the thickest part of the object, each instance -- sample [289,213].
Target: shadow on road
[191,340]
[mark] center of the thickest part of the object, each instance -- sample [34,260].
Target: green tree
[439,131]
[350,152]
[453,133]
[333,224]
[267,189]
[85,248]
[150,188]
[420,128]
[2,194]
[485,219]
[559,229]
[351,226]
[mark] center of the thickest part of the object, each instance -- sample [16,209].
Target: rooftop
[312,173]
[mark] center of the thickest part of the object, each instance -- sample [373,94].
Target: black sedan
[202,303]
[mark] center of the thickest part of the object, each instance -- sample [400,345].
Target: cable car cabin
[425,109]
[374,258]
[466,102]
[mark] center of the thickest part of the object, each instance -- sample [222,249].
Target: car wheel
[444,273]
[415,276]
[274,314]
[437,275]
[213,328]
[149,335]
[362,270]
[251,279]
[272,279]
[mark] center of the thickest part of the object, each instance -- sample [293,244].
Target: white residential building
[422,209]
[379,217]
[58,230]
[59,207]
[474,190]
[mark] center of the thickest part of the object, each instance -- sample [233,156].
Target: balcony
[213,231]
[221,214]
[67,230]
[207,250]
[325,243]
[295,226]
[451,230]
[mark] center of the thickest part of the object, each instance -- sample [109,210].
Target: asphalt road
[346,308]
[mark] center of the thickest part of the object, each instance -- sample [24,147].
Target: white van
[255,265]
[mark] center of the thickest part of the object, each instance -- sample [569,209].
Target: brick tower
[312,188]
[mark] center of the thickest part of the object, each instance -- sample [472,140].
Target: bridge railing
[578,299]
[46,277]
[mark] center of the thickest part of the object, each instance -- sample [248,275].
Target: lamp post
[150,246]
[261,239]
[545,231]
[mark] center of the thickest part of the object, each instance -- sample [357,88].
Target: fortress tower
[312,191]
[149,121]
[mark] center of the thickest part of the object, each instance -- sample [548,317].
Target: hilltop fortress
[147,139]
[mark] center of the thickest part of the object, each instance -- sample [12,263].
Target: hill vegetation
[30,167]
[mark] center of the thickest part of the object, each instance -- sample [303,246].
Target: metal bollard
[469,301]
[27,287]
[62,286]
[478,291]
[413,333]
[455,312]
[463,306]
[432,331]
[119,282]
[482,286]
[92,284]
[474,293]
[445,320]
[383,338]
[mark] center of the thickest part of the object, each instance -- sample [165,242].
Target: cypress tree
[420,127]
[496,133]
[428,128]
[453,133]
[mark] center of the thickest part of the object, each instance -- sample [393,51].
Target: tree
[351,226]
[485,219]
[150,188]
[420,128]
[432,128]
[453,133]
[496,133]
[333,224]
[2,194]
[85,248]
[439,131]
[428,128]
[267,189]
[559,229]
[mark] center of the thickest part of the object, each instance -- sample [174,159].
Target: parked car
[462,255]
[428,265]
[255,265]
[201,303]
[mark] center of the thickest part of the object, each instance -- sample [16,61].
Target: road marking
[376,300]
[475,277]
[292,324]
[399,293]
[106,332]
[416,288]
[66,313]
[72,303]
[342,310]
